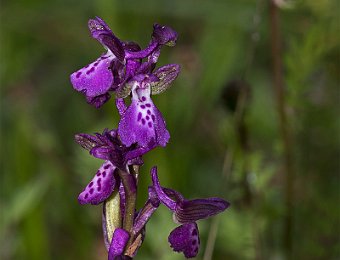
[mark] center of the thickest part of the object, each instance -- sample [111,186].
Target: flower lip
[185,238]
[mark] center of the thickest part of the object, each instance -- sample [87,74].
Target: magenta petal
[185,238]
[118,243]
[193,210]
[162,196]
[98,101]
[142,122]
[164,35]
[100,187]
[96,78]
[146,212]
[102,32]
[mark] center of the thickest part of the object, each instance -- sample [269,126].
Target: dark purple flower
[186,212]
[142,122]
[120,62]
[108,147]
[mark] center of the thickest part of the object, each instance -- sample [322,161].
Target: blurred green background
[217,148]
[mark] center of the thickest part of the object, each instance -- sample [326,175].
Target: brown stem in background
[283,125]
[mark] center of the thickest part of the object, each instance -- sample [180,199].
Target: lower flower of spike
[185,238]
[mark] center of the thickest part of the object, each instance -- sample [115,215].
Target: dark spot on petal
[78,74]
[194,232]
[143,121]
[87,66]
[196,250]
[149,112]
[153,118]
[98,181]
[139,116]
[90,71]
[142,106]
[148,105]
[98,173]
[147,118]
[150,125]
[86,195]
[96,64]
[99,188]
[103,58]
[194,242]
[143,98]
[104,174]
[91,184]
[107,166]
[91,191]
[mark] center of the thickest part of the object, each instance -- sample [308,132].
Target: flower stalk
[130,190]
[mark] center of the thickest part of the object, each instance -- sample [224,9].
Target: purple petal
[147,67]
[146,212]
[131,46]
[121,106]
[185,238]
[193,210]
[143,53]
[166,75]
[118,243]
[98,101]
[142,122]
[131,67]
[100,187]
[96,78]
[102,32]
[164,198]
[102,152]
[174,195]
[164,35]
[86,141]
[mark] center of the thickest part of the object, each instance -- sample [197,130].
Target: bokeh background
[274,156]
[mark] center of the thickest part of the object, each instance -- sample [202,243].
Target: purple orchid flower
[118,64]
[185,238]
[143,122]
[108,147]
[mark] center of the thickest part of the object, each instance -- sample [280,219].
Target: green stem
[130,189]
